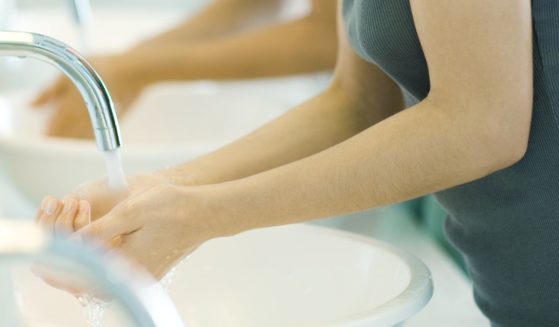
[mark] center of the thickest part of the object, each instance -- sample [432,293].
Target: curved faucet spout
[89,83]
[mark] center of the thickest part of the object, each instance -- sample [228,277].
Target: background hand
[70,118]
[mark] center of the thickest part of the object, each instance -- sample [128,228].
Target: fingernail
[51,206]
[69,205]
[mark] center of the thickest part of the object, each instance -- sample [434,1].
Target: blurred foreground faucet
[24,242]
[93,90]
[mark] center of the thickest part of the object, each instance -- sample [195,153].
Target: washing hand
[71,118]
[157,227]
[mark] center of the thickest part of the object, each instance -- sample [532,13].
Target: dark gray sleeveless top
[506,224]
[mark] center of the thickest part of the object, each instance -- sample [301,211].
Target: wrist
[178,176]
[199,212]
[220,211]
[197,172]
[131,66]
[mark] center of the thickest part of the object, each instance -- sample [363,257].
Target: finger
[50,209]
[61,285]
[43,98]
[84,215]
[64,224]
[71,119]
[49,277]
[133,249]
[50,93]
[40,212]
[116,242]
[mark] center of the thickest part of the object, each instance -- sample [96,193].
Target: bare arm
[300,46]
[278,49]
[219,18]
[474,122]
[339,113]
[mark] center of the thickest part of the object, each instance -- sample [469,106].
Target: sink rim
[411,300]
[403,306]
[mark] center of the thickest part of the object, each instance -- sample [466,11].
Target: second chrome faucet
[89,83]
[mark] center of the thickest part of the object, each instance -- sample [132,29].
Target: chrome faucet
[80,10]
[93,90]
[81,13]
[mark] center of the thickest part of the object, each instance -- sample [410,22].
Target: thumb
[50,93]
[105,229]
[43,98]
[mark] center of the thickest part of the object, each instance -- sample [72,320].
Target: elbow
[490,150]
[506,139]
[512,152]
[494,135]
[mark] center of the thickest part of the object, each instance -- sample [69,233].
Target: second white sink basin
[296,276]
[170,124]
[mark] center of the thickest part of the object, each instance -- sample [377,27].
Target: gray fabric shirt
[505,224]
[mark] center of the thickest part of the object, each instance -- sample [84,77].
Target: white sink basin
[170,124]
[297,275]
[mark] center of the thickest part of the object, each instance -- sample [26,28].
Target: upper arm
[479,55]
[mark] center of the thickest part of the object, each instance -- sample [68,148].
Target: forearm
[276,50]
[416,152]
[315,125]
[219,18]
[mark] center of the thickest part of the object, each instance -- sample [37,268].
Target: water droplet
[94,309]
